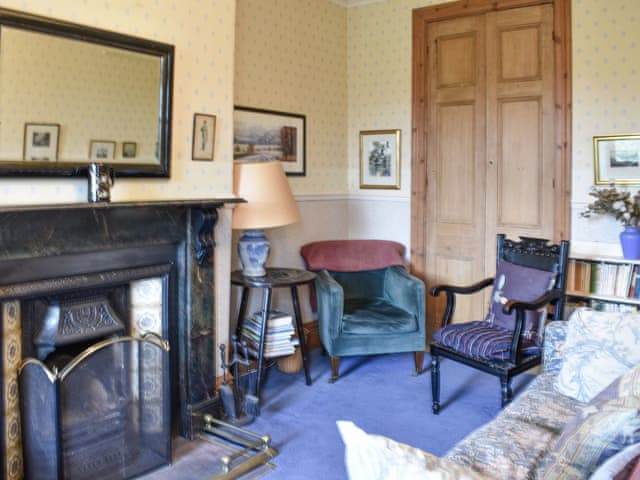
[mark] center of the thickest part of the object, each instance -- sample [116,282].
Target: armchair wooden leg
[335,364]
[505,390]
[418,359]
[435,384]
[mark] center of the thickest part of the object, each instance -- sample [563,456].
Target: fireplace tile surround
[59,248]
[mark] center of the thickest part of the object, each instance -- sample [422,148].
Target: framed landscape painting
[617,159]
[380,159]
[260,135]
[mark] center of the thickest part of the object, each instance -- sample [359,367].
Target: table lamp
[270,203]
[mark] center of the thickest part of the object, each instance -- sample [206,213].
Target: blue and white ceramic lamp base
[253,250]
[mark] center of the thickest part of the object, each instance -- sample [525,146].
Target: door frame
[562,87]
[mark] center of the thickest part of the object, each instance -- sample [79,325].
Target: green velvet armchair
[367,302]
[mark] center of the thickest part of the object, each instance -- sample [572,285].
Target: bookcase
[604,283]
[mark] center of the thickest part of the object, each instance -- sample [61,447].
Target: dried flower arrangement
[622,205]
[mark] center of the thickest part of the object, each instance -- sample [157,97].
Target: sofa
[579,418]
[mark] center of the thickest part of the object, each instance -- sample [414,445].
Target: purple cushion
[514,282]
[481,340]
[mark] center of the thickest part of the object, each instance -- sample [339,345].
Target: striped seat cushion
[481,340]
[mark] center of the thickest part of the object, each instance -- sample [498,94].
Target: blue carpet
[379,395]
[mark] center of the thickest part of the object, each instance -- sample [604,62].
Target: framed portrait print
[41,142]
[102,150]
[616,159]
[270,135]
[380,159]
[129,149]
[204,130]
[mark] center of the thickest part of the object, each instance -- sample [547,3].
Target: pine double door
[490,162]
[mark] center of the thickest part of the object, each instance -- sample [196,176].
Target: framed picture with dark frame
[270,135]
[129,149]
[102,150]
[616,159]
[204,133]
[41,142]
[380,159]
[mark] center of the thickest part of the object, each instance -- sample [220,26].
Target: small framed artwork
[204,130]
[270,135]
[102,150]
[617,159]
[41,142]
[129,149]
[380,159]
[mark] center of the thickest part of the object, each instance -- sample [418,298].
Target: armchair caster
[435,408]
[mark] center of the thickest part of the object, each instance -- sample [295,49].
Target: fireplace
[107,335]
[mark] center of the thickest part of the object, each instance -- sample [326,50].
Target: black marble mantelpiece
[196,203]
[39,243]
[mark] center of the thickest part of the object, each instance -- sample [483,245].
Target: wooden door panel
[520,125]
[520,168]
[519,55]
[456,175]
[456,60]
[458,271]
[456,159]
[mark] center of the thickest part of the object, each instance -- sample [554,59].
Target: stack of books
[279,339]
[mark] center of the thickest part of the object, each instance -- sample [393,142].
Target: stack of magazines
[279,339]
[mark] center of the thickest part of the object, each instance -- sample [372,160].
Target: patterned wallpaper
[203,35]
[379,80]
[111,96]
[291,56]
[606,75]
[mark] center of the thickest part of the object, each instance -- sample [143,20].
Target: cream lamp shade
[270,203]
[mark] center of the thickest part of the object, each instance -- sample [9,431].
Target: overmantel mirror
[71,95]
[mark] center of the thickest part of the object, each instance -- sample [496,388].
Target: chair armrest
[539,302]
[555,334]
[463,290]
[330,300]
[520,307]
[407,292]
[451,291]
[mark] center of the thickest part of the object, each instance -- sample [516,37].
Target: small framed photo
[102,150]
[270,135]
[129,149]
[204,130]
[41,142]
[380,159]
[617,159]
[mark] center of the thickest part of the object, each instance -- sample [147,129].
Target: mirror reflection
[68,99]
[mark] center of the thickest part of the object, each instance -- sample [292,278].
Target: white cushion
[600,346]
[620,464]
[374,457]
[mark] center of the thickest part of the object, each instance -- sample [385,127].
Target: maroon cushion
[352,255]
[514,282]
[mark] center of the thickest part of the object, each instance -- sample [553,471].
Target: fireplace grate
[100,404]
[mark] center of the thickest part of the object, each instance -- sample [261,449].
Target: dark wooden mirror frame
[165,54]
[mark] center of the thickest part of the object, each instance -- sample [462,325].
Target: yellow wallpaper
[606,55]
[203,35]
[112,95]
[291,56]
[379,80]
